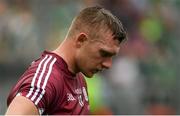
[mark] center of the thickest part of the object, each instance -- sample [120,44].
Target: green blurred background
[144,78]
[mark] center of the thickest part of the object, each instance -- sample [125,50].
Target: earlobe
[80,40]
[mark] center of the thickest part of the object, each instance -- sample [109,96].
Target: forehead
[107,42]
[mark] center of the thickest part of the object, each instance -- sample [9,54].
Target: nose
[107,63]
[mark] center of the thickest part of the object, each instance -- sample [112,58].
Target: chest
[74,100]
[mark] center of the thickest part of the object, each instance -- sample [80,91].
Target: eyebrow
[107,53]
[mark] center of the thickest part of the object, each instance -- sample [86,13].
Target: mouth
[96,71]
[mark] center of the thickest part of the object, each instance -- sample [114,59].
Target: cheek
[90,57]
[88,61]
[96,60]
[83,59]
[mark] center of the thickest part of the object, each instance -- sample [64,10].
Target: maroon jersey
[52,87]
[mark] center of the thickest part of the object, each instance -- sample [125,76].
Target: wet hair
[93,19]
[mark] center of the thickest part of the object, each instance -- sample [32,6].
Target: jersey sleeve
[39,86]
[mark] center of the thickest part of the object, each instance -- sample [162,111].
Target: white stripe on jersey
[34,78]
[40,78]
[45,82]
[41,110]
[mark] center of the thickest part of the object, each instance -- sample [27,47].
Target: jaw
[88,74]
[91,76]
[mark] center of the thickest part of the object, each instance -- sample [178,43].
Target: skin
[94,55]
[22,106]
[82,54]
[89,55]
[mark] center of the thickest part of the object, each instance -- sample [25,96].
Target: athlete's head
[98,34]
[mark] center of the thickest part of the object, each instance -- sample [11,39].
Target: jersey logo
[81,103]
[70,97]
[80,95]
[85,94]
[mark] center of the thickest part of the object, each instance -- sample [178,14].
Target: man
[54,84]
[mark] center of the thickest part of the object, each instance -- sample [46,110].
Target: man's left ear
[81,38]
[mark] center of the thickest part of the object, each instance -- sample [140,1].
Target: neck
[66,51]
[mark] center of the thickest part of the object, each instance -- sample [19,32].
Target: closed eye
[105,53]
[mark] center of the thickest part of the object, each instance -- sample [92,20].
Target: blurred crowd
[144,76]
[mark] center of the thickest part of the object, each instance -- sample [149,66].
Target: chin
[89,75]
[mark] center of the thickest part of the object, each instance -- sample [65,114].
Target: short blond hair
[92,19]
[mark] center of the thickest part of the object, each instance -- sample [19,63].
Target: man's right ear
[81,39]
